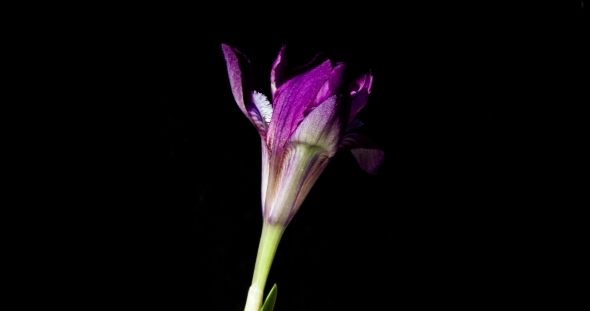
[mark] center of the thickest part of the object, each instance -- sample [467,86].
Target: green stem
[269,241]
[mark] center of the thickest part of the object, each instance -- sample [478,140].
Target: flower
[309,117]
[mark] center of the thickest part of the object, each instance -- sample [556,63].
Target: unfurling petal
[333,86]
[241,78]
[277,74]
[359,94]
[291,101]
[302,126]
[365,151]
[323,127]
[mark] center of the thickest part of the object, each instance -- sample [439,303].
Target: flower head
[307,119]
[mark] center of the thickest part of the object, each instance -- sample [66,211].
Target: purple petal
[241,79]
[359,94]
[291,102]
[237,69]
[331,87]
[323,127]
[365,151]
[277,74]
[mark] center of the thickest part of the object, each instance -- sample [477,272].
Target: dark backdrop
[448,221]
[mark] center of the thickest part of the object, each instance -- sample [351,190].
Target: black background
[450,220]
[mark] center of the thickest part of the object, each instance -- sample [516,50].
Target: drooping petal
[333,86]
[291,101]
[323,127]
[241,78]
[365,151]
[277,74]
[359,94]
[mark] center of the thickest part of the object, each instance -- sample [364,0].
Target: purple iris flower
[309,116]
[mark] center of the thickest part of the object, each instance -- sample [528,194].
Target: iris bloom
[308,117]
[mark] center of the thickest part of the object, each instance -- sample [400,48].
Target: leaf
[269,303]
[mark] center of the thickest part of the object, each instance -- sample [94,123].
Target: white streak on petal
[263,106]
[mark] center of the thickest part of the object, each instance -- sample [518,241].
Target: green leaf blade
[269,303]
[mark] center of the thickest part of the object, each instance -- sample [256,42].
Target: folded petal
[291,102]
[277,74]
[241,78]
[359,94]
[323,128]
[333,86]
[365,151]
